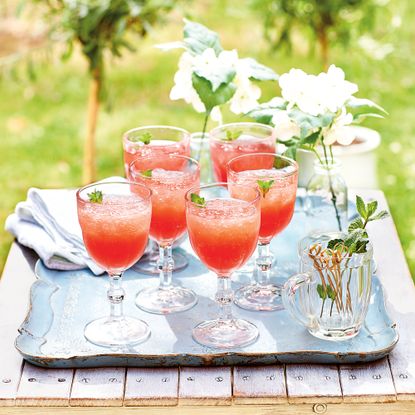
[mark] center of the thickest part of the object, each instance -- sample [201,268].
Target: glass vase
[326,197]
[200,151]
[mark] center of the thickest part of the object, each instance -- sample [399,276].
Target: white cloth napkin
[48,223]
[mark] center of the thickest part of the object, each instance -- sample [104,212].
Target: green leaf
[209,97]
[198,38]
[291,151]
[380,215]
[353,237]
[311,139]
[361,208]
[371,208]
[197,200]
[355,224]
[354,102]
[264,112]
[216,75]
[265,186]
[361,246]
[147,173]
[232,135]
[96,196]
[334,243]
[258,71]
[321,292]
[330,292]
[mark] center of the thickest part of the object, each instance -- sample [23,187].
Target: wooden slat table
[387,385]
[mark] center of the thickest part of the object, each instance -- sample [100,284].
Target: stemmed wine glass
[169,177]
[155,141]
[275,177]
[223,230]
[115,222]
[231,140]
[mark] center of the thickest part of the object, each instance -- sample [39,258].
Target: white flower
[335,90]
[340,130]
[316,95]
[246,96]
[285,127]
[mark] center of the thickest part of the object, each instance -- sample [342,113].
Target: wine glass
[169,177]
[155,141]
[231,140]
[115,222]
[275,177]
[223,230]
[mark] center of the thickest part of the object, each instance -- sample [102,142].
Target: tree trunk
[324,46]
[89,168]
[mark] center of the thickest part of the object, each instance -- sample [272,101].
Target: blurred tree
[100,26]
[328,21]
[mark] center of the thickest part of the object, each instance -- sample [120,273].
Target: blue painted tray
[63,302]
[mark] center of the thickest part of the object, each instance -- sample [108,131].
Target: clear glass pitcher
[331,295]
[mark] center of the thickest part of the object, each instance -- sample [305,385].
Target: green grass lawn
[42,122]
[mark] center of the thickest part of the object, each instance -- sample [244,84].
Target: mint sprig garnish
[232,135]
[147,173]
[356,239]
[96,196]
[265,186]
[145,138]
[197,200]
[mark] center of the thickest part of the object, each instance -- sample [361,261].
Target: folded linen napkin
[48,223]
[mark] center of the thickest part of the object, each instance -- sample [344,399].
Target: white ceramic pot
[358,160]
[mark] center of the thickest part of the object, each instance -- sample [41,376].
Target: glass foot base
[259,297]
[166,300]
[225,334]
[148,263]
[335,334]
[125,331]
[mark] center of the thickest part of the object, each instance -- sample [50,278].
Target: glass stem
[224,297]
[264,262]
[115,296]
[165,265]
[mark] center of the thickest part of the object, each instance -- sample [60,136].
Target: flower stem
[207,114]
[333,195]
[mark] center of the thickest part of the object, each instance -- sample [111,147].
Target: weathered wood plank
[371,382]
[396,279]
[313,383]
[44,387]
[205,386]
[14,298]
[98,387]
[151,387]
[259,385]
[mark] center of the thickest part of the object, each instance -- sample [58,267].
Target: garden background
[43,100]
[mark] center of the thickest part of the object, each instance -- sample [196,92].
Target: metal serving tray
[61,303]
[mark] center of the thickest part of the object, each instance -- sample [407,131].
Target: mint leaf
[356,224]
[331,293]
[361,208]
[96,196]
[209,97]
[198,38]
[265,186]
[232,135]
[321,292]
[197,200]
[145,138]
[334,243]
[371,208]
[380,215]
[147,173]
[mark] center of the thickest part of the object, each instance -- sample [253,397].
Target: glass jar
[200,151]
[326,198]
[331,295]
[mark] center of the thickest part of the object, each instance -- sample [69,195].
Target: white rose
[285,127]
